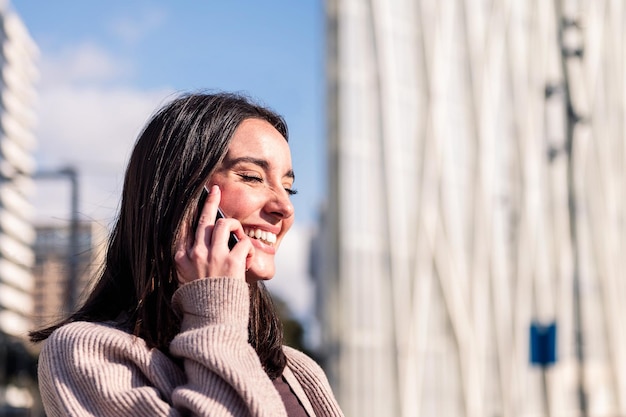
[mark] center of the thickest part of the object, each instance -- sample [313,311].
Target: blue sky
[106,65]
[270,50]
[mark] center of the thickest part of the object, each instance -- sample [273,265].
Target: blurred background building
[17,165]
[18,73]
[54,251]
[477,167]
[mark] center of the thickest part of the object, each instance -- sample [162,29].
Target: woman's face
[256,181]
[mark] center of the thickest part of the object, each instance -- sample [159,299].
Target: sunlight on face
[256,180]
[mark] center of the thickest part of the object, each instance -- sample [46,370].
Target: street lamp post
[72,256]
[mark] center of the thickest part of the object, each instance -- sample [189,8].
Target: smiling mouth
[268,238]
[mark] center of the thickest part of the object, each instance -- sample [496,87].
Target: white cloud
[86,123]
[92,130]
[81,64]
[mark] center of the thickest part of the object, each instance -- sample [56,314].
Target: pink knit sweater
[93,369]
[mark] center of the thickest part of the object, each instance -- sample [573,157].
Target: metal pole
[72,280]
[73,244]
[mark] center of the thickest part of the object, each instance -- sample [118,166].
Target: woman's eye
[250,178]
[291,191]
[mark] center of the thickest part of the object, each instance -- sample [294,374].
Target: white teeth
[268,237]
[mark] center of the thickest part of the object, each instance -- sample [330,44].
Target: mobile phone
[232,240]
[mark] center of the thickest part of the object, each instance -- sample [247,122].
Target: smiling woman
[257,181]
[178,323]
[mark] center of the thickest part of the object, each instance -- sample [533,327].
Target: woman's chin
[261,267]
[253,275]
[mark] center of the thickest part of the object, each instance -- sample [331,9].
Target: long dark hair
[174,156]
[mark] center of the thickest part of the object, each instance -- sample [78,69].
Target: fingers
[222,236]
[207,214]
[221,261]
[208,255]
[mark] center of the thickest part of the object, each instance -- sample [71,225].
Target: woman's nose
[280,204]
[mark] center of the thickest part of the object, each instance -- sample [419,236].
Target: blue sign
[542,344]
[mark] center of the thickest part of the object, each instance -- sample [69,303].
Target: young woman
[178,323]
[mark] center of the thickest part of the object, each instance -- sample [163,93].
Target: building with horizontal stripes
[18,75]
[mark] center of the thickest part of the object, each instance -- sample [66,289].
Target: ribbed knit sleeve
[222,367]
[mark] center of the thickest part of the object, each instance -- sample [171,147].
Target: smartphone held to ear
[232,240]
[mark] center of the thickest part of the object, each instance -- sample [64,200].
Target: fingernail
[214,189]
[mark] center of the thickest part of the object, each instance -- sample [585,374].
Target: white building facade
[477,168]
[18,74]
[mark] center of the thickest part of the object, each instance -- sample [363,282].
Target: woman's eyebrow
[261,163]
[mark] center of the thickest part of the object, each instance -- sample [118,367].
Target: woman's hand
[208,255]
